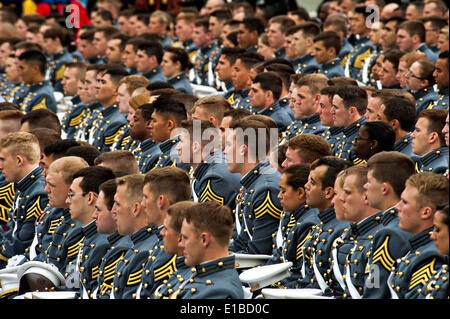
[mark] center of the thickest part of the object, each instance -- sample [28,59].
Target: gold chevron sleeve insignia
[359,62]
[41,105]
[53,224]
[358,161]
[268,207]
[166,270]
[95,272]
[421,276]
[73,250]
[382,255]
[60,73]
[109,271]
[4,216]
[300,246]
[292,221]
[77,119]
[231,99]
[110,139]
[209,195]
[7,194]
[34,210]
[135,278]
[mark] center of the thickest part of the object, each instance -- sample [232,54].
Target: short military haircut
[210,135]
[334,166]
[109,190]
[93,177]
[237,114]
[35,58]
[176,212]
[56,33]
[88,35]
[340,80]
[249,59]
[221,14]
[213,105]
[22,143]
[391,167]
[161,181]
[253,24]
[381,132]
[45,136]
[330,39]
[146,111]
[119,161]
[402,110]
[116,73]
[134,184]
[360,171]
[337,22]
[413,27]
[170,109]
[134,81]
[202,22]
[309,147]
[57,149]
[284,21]
[432,189]
[309,29]
[231,54]
[152,49]
[213,218]
[436,122]
[88,153]
[297,175]
[42,118]
[67,166]
[315,82]
[10,120]
[252,135]
[353,96]
[270,81]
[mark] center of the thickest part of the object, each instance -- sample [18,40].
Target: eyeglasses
[409,74]
[71,195]
[362,139]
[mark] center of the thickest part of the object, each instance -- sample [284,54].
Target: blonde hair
[411,57]
[139,100]
[432,189]
[134,187]
[22,143]
[67,166]
[134,82]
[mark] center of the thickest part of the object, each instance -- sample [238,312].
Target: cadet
[82,199]
[349,106]
[200,147]
[213,274]
[313,255]
[401,115]
[159,195]
[175,63]
[334,133]
[357,20]
[132,220]
[121,162]
[206,57]
[389,69]
[54,46]
[184,28]
[420,80]
[249,31]
[303,38]
[211,108]
[159,23]
[19,163]
[428,142]
[386,176]
[297,218]
[305,148]
[223,71]
[437,286]
[167,116]
[118,244]
[148,152]
[409,274]
[258,210]
[365,222]
[148,59]
[39,95]
[264,94]
[441,76]
[276,30]
[87,49]
[411,37]
[170,233]
[110,122]
[306,94]
[102,35]
[326,48]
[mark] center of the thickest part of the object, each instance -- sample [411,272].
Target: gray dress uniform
[309,125]
[215,279]
[38,96]
[356,260]
[181,83]
[258,210]
[92,249]
[87,119]
[437,286]
[129,269]
[169,155]
[294,228]
[277,113]
[30,200]
[106,127]
[388,244]
[213,181]
[436,161]
[331,69]
[410,274]
[345,147]
[73,116]
[312,255]
[239,100]
[333,136]
[442,101]
[147,155]
[425,98]
[119,245]
[56,66]
[355,60]
[305,64]
[171,284]
[404,145]
[7,191]
[432,56]
[155,75]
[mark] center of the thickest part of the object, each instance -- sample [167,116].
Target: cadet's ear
[426,213]
[328,193]
[20,159]
[206,239]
